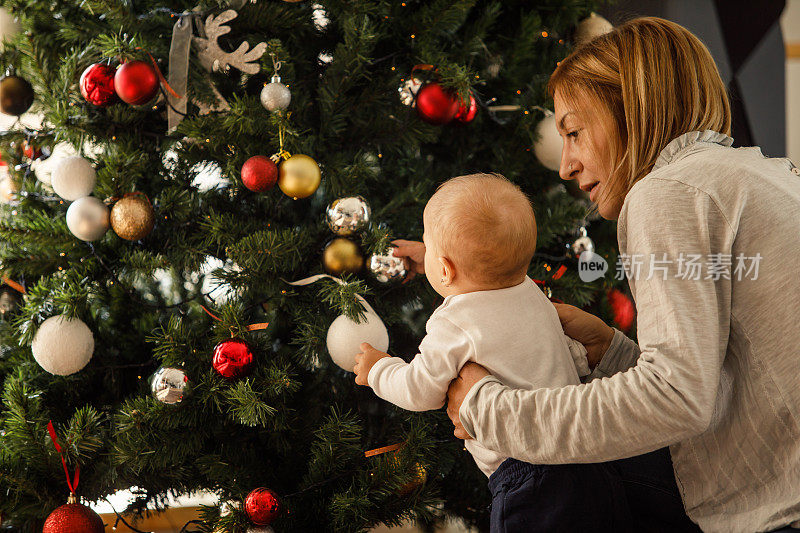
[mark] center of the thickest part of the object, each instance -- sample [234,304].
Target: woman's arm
[683,330]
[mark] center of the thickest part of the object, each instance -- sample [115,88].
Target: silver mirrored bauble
[349,215]
[168,385]
[387,268]
[260,529]
[275,96]
[408,91]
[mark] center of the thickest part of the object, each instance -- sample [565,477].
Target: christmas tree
[159,331]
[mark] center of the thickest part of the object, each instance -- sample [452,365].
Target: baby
[480,236]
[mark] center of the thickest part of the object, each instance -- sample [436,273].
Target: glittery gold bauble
[132,218]
[342,256]
[299,176]
[420,477]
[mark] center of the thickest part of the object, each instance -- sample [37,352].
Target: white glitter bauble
[87,218]
[592,26]
[346,335]
[548,143]
[275,96]
[73,177]
[63,345]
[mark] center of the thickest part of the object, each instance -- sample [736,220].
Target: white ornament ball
[548,143]
[592,26]
[73,177]
[346,335]
[87,218]
[9,26]
[63,345]
[275,96]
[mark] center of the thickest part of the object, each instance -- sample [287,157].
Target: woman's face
[585,156]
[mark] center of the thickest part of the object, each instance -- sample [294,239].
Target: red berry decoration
[436,105]
[73,518]
[622,308]
[232,358]
[97,84]
[467,112]
[259,173]
[136,82]
[262,506]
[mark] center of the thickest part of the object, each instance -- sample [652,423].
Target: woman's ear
[447,271]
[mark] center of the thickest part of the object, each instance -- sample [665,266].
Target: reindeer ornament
[211,57]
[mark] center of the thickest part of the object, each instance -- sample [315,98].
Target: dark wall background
[746,41]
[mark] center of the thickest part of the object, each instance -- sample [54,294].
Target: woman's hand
[470,374]
[587,329]
[413,254]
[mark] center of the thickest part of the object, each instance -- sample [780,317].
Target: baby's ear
[447,270]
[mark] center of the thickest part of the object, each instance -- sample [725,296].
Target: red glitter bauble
[259,173]
[73,518]
[136,82]
[623,309]
[262,506]
[436,105]
[232,358]
[467,112]
[97,84]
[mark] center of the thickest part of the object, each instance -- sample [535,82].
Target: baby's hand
[365,361]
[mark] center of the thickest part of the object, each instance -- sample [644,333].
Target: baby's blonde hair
[485,225]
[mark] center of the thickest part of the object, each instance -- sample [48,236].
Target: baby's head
[480,234]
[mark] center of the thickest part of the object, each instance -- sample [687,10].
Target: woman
[645,120]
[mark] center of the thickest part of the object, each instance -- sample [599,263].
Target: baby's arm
[421,385]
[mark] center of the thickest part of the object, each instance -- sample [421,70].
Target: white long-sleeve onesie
[513,332]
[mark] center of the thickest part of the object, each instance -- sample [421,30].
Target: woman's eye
[573,134]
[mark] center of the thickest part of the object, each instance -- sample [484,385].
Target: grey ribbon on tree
[179,51]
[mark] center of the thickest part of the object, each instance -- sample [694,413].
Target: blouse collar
[670,152]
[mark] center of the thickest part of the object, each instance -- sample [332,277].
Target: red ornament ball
[232,358]
[97,84]
[259,173]
[435,105]
[622,308]
[73,518]
[136,82]
[466,112]
[262,506]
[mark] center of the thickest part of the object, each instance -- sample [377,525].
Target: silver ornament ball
[260,529]
[88,218]
[275,96]
[408,91]
[349,215]
[168,385]
[387,268]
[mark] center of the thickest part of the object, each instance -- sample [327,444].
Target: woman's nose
[569,166]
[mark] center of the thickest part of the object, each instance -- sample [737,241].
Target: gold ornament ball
[342,256]
[299,176]
[132,217]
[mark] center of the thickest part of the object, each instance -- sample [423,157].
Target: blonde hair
[655,81]
[485,225]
